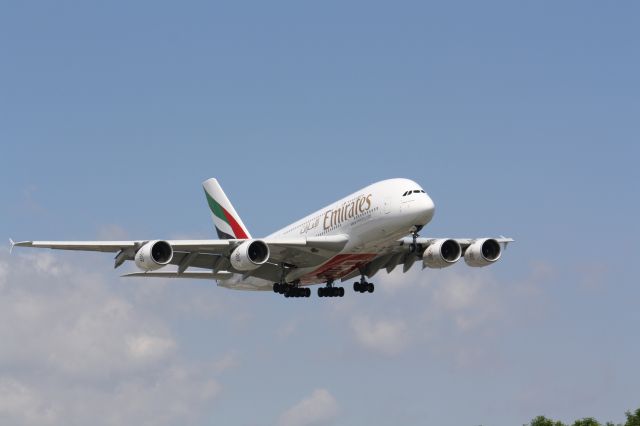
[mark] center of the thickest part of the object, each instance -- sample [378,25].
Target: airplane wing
[213,254]
[402,254]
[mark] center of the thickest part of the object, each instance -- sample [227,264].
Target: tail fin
[227,222]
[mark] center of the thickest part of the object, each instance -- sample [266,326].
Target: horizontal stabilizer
[222,275]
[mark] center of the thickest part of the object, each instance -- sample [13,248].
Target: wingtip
[12,244]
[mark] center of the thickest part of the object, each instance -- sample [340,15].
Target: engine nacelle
[483,252]
[154,255]
[250,255]
[441,253]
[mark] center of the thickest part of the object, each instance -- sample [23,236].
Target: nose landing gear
[414,247]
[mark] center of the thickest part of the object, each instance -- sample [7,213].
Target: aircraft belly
[338,266]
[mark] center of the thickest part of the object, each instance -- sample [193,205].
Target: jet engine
[249,255]
[482,252]
[154,255]
[441,253]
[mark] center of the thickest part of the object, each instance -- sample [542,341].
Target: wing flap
[103,246]
[222,275]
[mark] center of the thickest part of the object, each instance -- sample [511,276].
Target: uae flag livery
[227,222]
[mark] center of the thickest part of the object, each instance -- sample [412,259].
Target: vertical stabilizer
[225,218]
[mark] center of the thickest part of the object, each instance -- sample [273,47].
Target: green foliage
[587,421]
[633,419]
[543,421]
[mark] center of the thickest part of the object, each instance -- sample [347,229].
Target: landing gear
[413,247]
[281,288]
[363,286]
[330,291]
[298,292]
[291,290]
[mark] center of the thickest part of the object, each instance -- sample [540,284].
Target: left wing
[406,253]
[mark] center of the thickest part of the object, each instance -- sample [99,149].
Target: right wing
[213,254]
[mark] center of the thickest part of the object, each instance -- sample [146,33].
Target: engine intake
[250,255]
[154,255]
[442,253]
[482,252]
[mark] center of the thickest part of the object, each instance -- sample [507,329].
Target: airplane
[371,229]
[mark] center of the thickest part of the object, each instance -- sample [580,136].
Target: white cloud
[172,395]
[149,347]
[320,408]
[112,232]
[386,336]
[76,351]
[20,404]
[470,300]
[67,320]
[287,329]
[3,274]
[445,313]
[227,362]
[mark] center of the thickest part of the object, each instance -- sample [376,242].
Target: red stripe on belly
[338,266]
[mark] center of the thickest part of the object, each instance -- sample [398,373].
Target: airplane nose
[426,209]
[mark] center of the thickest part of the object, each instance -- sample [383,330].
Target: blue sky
[517,118]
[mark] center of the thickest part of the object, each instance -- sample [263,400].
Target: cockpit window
[415,191]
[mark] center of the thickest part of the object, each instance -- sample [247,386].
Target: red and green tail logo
[226,225]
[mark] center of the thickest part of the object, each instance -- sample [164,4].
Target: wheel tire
[307,292]
[370,287]
[341,292]
[320,292]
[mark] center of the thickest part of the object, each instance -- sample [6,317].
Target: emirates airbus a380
[373,228]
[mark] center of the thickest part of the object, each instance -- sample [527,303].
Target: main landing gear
[291,290]
[363,286]
[330,291]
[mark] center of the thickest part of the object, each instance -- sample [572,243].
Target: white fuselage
[373,218]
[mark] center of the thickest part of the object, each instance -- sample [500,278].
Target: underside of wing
[434,253]
[194,275]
